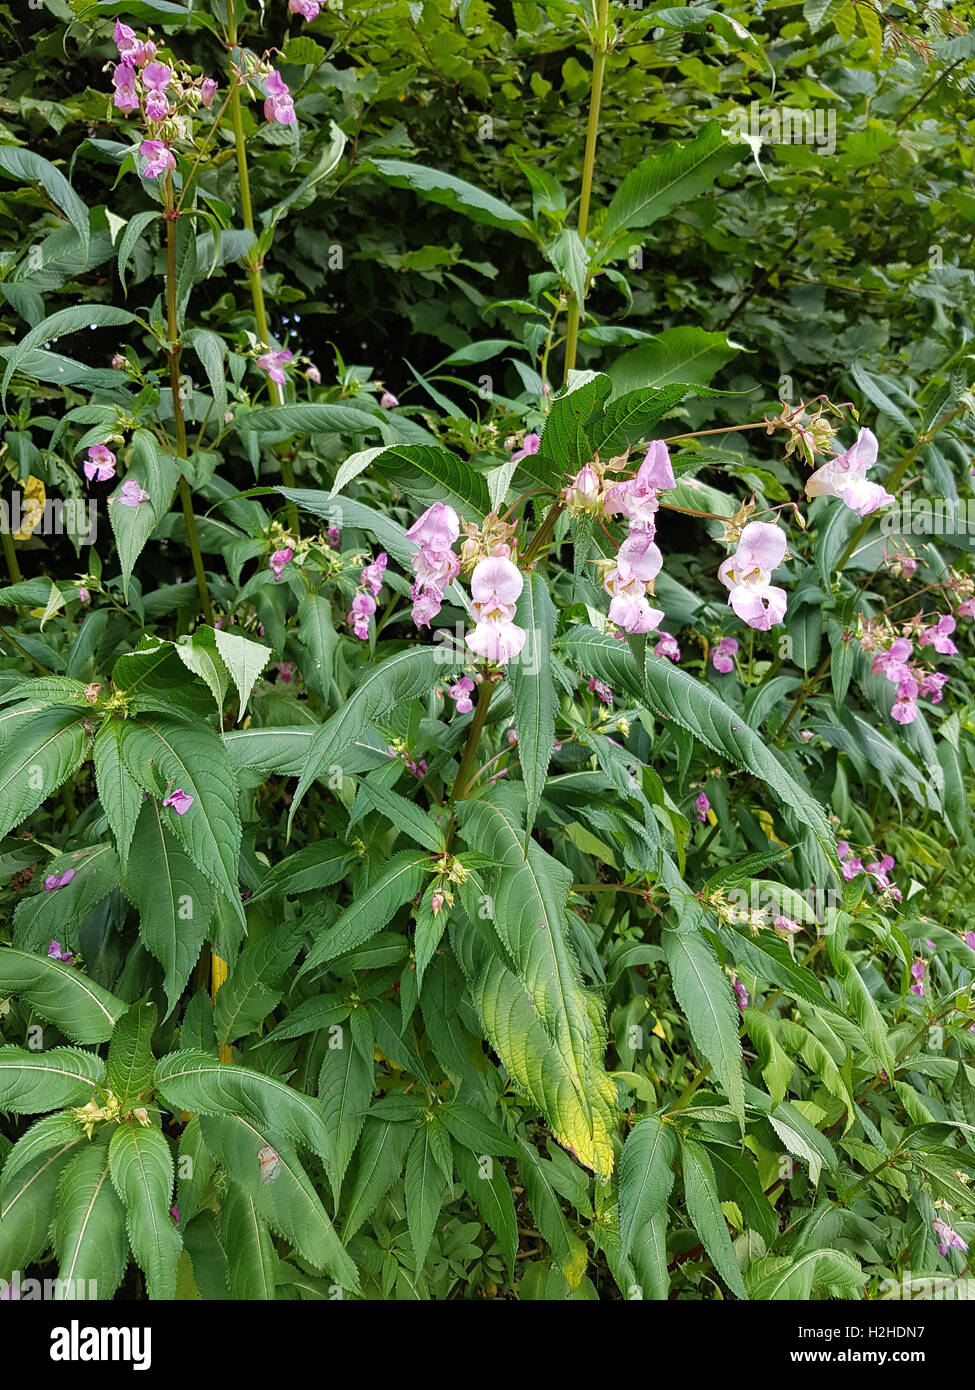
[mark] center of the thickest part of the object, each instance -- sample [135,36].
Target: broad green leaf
[426,1190]
[252,991]
[52,1132]
[704,1210]
[194,1081]
[429,474]
[370,910]
[130,1060]
[173,898]
[26,166]
[672,175]
[42,916]
[317,866]
[408,817]
[310,418]
[676,355]
[703,991]
[382,1151]
[71,320]
[47,749]
[198,653]
[119,794]
[252,1265]
[245,660]
[28,1203]
[452,192]
[32,1082]
[141,1166]
[318,636]
[534,691]
[829,1272]
[489,1189]
[646,1175]
[89,1223]
[476,1131]
[551,1222]
[345,1090]
[60,993]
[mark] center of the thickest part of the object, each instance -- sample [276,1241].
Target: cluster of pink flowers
[747,575]
[638,560]
[461,692]
[434,563]
[364,604]
[157,92]
[912,680]
[274,364]
[845,477]
[723,655]
[852,866]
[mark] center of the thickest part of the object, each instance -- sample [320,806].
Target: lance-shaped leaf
[141,1166]
[673,694]
[252,1265]
[489,1189]
[82,1010]
[281,1191]
[173,898]
[646,1175]
[401,677]
[71,320]
[426,1189]
[27,1199]
[703,991]
[32,1082]
[677,172]
[130,1060]
[118,791]
[372,907]
[42,916]
[166,755]
[429,473]
[244,659]
[381,1153]
[534,690]
[252,990]
[26,166]
[707,1218]
[345,1090]
[89,1225]
[47,1134]
[539,1179]
[193,1080]
[45,750]
[452,192]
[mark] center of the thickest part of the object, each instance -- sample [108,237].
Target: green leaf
[28,167]
[776,1065]
[401,677]
[631,416]
[488,1188]
[703,991]
[158,475]
[533,690]
[704,1210]
[211,349]
[370,910]
[380,1162]
[831,1273]
[476,1131]
[568,255]
[48,747]
[165,754]
[345,1090]
[252,991]
[245,660]
[537,1176]
[317,866]
[82,1010]
[674,174]
[646,1175]
[89,1223]
[411,819]
[193,1080]
[27,1197]
[252,1265]
[426,1191]
[130,1060]
[131,235]
[173,898]
[281,1192]
[307,418]
[119,794]
[77,318]
[452,192]
[428,473]
[141,1166]
[676,355]
[317,635]
[198,653]
[32,1082]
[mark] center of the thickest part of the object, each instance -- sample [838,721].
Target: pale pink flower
[461,692]
[747,574]
[583,491]
[84,595]
[434,563]
[55,881]
[722,655]
[313,374]
[601,689]
[55,953]
[496,584]
[278,560]
[131,494]
[278,105]
[334,537]
[845,477]
[702,806]
[157,76]
[123,79]
[667,646]
[180,801]
[208,90]
[939,636]
[159,158]
[308,9]
[363,607]
[388,401]
[529,445]
[372,575]
[636,497]
[100,464]
[946,1237]
[274,363]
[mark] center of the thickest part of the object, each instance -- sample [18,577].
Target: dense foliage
[486,709]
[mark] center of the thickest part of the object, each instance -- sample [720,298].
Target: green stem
[10,555]
[600,42]
[173,352]
[254,279]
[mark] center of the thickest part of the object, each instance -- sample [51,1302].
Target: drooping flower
[174,1213]
[917,973]
[278,560]
[55,953]
[970,940]
[278,105]
[100,464]
[741,995]
[702,806]
[785,926]
[636,497]
[313,374]
[156,78]
[849,864]
[159,158]
[893,662]
[845,477]
[434,563]
[286,670]
[436,903]
[55,881]
[334,537]
[180,801]
[722,655]
[308,9]
[667,646]
[363,607]
[460,691]
[372,575]
[601,689]
[932,687]
[946,1237]
[496,584]
[84,596]
[131,494]
[630,610]
[274,363]
[529,445]
[939,636]
[388,401]
[126,98]
[966,609]
[583,491]
[208,90]
[747,575]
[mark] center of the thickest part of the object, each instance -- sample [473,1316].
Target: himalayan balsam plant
[492,867]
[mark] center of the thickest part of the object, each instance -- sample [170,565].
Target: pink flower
[434,563]
[946,1237]
[278,105]
[363,607]
[125,41]
[917,972]
[100,465]
[512,737]
[582,493]
[636,497]
[286,670]
[722,655]
[436,899]
[496,584]
[629,610]
[966,609]
[157,107]
[334,537]
[939,636]
[761,549]
[208,90]
[932,687]
[278,560]
[274,362]
[893,663]
[849,865]
[667,646]
[313,374]
[174,1213]
[159,158]
[845,477]
[437,529]
[637,558]
[123,80]
[157,77]
[372,575]
[881,870]
[602,690]
[55,953]
[529,445]
[461,692]
[131,494]
[84,595]
[55,881]
[970,940]
[180,801]
[308,9]
[741,995]
[702,805]
[785,925]
[388,401]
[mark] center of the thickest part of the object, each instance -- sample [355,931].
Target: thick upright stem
[254,280]
[599,50]
[173,352]
[10,555]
